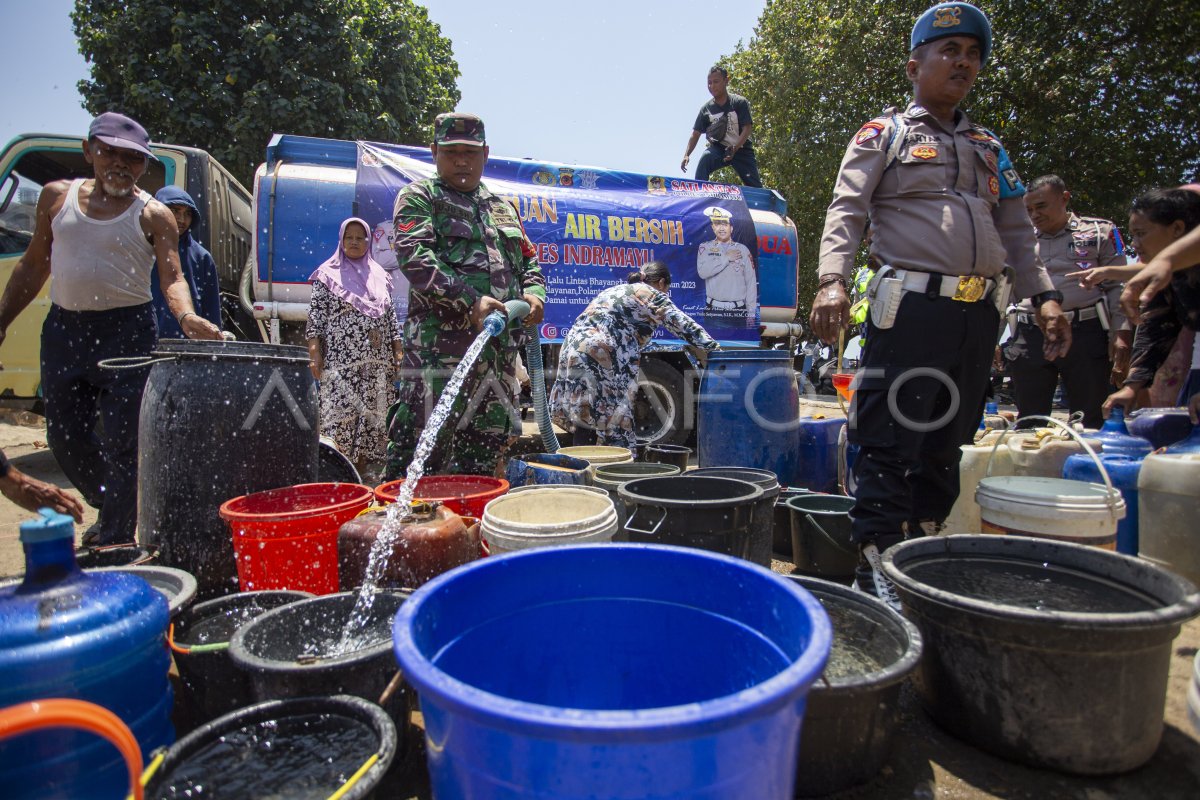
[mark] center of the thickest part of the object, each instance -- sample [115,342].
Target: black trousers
[922,388]
[1084,371]
[92,413]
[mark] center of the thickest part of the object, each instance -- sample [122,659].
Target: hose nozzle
[495,322]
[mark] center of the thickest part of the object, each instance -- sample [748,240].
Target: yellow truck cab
[30,161]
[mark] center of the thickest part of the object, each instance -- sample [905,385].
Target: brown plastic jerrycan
[431,541]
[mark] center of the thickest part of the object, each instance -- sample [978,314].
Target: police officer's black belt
[1075,315]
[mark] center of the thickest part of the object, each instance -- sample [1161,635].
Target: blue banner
[592,227]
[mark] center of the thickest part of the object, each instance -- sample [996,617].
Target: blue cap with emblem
[953,19]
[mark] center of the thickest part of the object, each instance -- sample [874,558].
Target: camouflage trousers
[481,427]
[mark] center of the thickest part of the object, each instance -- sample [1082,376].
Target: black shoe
[869,577]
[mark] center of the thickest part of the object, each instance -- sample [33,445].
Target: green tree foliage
[1102,92]
[224,75]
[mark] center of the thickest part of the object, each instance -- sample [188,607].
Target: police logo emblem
[925,152]
[947,17]
[868,132]
[543,178]
[1081,252]
[993,184]
[566,177]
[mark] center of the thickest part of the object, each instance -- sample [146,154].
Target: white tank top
[99,264]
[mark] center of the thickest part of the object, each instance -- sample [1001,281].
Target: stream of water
[382,548]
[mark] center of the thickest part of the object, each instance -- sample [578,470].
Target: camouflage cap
[458,128]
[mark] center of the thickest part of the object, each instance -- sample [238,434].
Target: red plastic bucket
[465,495]
[287,538]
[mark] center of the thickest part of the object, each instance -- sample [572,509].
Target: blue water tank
[1117,439]
[99,637]
[749,412]
[1123,472]
[1162,426]
[1189,445]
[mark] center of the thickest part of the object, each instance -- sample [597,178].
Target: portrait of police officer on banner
[727,267]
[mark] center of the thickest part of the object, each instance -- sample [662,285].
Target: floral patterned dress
[598,364]
[356,384]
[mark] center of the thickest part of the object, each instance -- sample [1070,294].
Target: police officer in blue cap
[947,216]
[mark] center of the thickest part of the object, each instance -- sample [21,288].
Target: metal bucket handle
[1111,492]
[131,362]
[654,530]
[812,521]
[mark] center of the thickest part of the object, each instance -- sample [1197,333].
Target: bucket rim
[628,494]
[765,478]
[1046,551]
[749,354]
[208,350]
[343,705]
[798,506]
[1097,500]
[251,662]
[182,584]
[646,724]
[209,608]
[231,512]
[894,672]
[389,491]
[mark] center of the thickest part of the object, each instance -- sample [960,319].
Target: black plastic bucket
[258,748]
[853,712]
[674,454]
[218,420]
[610,477]
[1077,691]
[781,522]
[714,514]
[333,466]
[821,544]
[764,509]
[211,684]
[115,555]
[272,650]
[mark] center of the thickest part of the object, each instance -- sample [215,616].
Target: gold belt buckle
[970,289]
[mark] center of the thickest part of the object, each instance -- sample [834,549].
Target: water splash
[397,512]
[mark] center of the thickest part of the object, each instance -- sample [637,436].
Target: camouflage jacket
[453,248]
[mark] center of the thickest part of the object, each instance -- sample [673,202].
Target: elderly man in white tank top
[98,238]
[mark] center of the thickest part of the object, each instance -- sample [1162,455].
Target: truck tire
[658,413]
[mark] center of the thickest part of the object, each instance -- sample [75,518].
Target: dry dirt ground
[925,763]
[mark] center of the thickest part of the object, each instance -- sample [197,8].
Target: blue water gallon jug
[817,454]
[1189,445]
[1117,439]
[99,637]
[749,406]
[1162,426]
[1123,472]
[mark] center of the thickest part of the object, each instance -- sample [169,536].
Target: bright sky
[614,84]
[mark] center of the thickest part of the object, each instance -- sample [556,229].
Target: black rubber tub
[764,510]
[1026,674]
[211,684]
[275,650]
[853,711]
[714,514]
[309,747]
[115,555]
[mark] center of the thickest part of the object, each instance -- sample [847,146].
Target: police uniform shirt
[948,202]
[728,272]
[1083,243]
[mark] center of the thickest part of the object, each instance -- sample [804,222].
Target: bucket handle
[81,715]
[131,362]
[654,530]
[1110,492]
[812,521]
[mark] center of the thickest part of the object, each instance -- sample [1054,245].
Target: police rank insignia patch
[868,132]
[978,136]
[991,161]
[993,184]
[925,152]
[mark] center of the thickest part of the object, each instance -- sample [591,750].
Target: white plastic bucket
[547,518]
[1050,508]
[597,454]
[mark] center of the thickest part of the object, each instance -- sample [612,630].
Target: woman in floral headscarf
[354,346]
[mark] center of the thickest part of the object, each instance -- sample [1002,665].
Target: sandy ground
[926,762]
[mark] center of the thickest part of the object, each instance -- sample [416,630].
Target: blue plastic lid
[49,527]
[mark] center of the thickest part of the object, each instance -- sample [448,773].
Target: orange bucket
[287,538]
[465,495]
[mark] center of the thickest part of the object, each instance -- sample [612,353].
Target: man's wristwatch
[1039,299]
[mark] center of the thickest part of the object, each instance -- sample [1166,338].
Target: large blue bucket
[616,671]
[749,407]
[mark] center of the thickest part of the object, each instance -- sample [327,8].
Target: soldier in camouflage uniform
[464,252]
[598,365]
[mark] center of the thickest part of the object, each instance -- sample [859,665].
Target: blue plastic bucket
[748,411]
[616,671]
[547,469]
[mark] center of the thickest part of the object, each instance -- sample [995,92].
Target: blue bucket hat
[953,19]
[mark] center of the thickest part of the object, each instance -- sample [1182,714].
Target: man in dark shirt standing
[725,122]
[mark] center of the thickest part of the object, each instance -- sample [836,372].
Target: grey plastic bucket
[714,514]
[764,509]
[821,544]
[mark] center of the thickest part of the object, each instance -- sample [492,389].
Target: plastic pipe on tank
[781,330]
